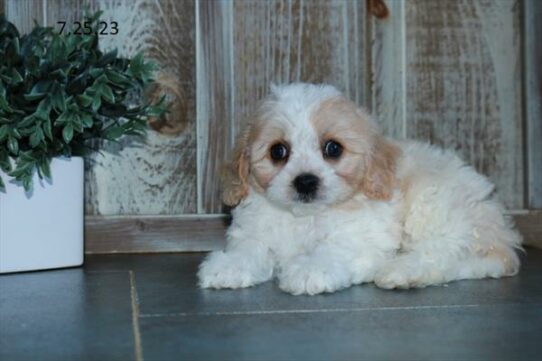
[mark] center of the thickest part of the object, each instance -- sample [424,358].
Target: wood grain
[388,72]
[158,174]
[22,13]
[214,98]
[533,101]
[443,71]
[257,43]
[131,234]
[463,85]
[195,233]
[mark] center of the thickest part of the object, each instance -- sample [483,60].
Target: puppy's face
[311,148]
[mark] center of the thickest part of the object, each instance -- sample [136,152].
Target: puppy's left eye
[332,149]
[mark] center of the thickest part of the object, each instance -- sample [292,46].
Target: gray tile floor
[147,307]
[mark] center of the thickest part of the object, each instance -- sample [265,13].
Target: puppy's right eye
[278,152]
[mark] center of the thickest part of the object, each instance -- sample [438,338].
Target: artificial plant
[60,92]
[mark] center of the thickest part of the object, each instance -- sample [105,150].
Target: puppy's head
[309,146]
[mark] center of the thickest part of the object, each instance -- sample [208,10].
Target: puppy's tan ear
[379,179]
[235,176]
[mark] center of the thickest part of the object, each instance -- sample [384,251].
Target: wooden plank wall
[450,72]
[24,13]
[533,101]
[157,176]
[214,76]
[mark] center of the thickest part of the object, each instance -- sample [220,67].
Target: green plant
[59,92]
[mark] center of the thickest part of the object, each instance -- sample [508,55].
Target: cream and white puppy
[324,201]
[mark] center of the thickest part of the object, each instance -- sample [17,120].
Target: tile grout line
[301,311]
[135,318]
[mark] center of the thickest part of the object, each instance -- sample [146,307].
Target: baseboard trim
[154,234]
[530,226]
[196,233]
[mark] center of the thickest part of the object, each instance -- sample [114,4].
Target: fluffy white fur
[439,223]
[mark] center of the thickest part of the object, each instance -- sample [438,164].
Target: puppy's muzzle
[306,185]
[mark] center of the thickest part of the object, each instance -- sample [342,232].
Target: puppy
[324,201]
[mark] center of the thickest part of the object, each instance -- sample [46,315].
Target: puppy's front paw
[304,276]
[221,270]
[390,279]
[404,275]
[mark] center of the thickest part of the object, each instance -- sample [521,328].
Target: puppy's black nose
[306,184]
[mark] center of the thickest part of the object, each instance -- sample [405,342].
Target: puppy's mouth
[306,198]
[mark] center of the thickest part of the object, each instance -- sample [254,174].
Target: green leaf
[67,133]
[27,183]
[44,108]
[5,164]
[26,132]
[13,145]
[37,137]
[26,121]
[78,85]
[4,104]
[45,65]
[159,109]
[76,122]
[58,100]
[116,78]
[60,74]
[57,50]
[107,94]
[86,120]
[72,42]
[45,167]
[65,118]
[96,72]
[4,130]
[16,78]
[136,65]
[96,103]
[47,129]
[21,169]
[84,100]
[15,133]
[99,82]
[108,58]
[39,90]
[95,17]
[114,133]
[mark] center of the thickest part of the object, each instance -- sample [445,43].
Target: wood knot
[176,120]
[378,8]
[140,225]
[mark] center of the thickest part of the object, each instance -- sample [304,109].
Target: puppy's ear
[379,179]
[235,176]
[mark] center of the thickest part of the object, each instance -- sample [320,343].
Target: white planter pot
[44,228]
